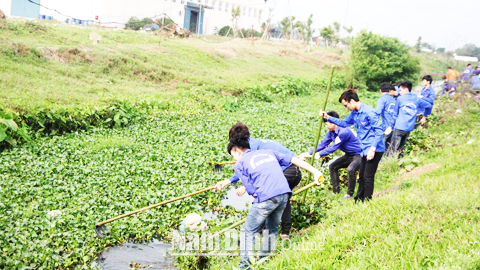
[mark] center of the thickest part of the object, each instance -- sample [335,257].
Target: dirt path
[412,174]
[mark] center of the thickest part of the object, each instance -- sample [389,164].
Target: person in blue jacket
[447,87]
[262,176]
[428,95]
[290,171]
[406,113]
[369,134]
[476,83]
[476,71]
[385,108]
[345,140]
[466,73]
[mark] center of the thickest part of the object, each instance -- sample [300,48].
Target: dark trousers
[352,163]
[399,139]
[366,178]
[293,175]
[387,140]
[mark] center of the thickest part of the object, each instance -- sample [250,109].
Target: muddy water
[153,255]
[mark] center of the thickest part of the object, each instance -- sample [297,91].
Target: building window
[249,12]
[244,8]
[206,2]
[220,6]
[182,2]
[226,7]
[213,4]
[259,13]
[254,13]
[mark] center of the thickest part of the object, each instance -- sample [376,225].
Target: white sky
[445,23]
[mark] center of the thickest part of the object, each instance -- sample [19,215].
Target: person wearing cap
[466,73]
[370,135]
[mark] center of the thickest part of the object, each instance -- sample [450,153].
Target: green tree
[327,33]
[135,24]
[469,50]
[376,59]
[308,29]
[418,46]
[285,26]
[235,15]
[348,40]
[441,50]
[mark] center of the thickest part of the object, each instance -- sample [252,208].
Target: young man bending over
[345,140]
[262,175]
[406,113]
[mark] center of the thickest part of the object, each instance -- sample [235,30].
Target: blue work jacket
[368,127]
[262,175]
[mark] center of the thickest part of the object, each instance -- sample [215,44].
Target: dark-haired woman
[239,132]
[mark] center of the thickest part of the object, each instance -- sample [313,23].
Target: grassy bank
[45,64]
[431,221]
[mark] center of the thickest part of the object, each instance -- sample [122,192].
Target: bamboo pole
[153,206]
[317,138]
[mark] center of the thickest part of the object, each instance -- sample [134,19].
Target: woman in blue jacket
[290,171]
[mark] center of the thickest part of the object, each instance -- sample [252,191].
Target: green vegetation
[134,120]
[95,175]
[428,220]
[377,59]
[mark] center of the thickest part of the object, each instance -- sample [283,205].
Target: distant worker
[345,140]
[466,73]
[386,109]
[452,74]
[427,94]
[476,71]
[405,114]
[476,83]
[448,88]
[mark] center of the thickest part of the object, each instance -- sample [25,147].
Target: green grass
[132,65]
[431,222]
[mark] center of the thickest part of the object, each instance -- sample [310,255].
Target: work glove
[318,176]
[388,131]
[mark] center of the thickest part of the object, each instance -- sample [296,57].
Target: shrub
[224,30]
[377,59]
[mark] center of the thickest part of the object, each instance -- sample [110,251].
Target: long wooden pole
[317,138]
[153,206]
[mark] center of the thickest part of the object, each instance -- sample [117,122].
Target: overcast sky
[449,24]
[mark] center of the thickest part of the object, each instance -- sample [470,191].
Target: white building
[465,58]
[202,16]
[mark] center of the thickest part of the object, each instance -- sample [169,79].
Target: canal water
[153,255]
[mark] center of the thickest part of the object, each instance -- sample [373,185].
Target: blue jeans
[268,212]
